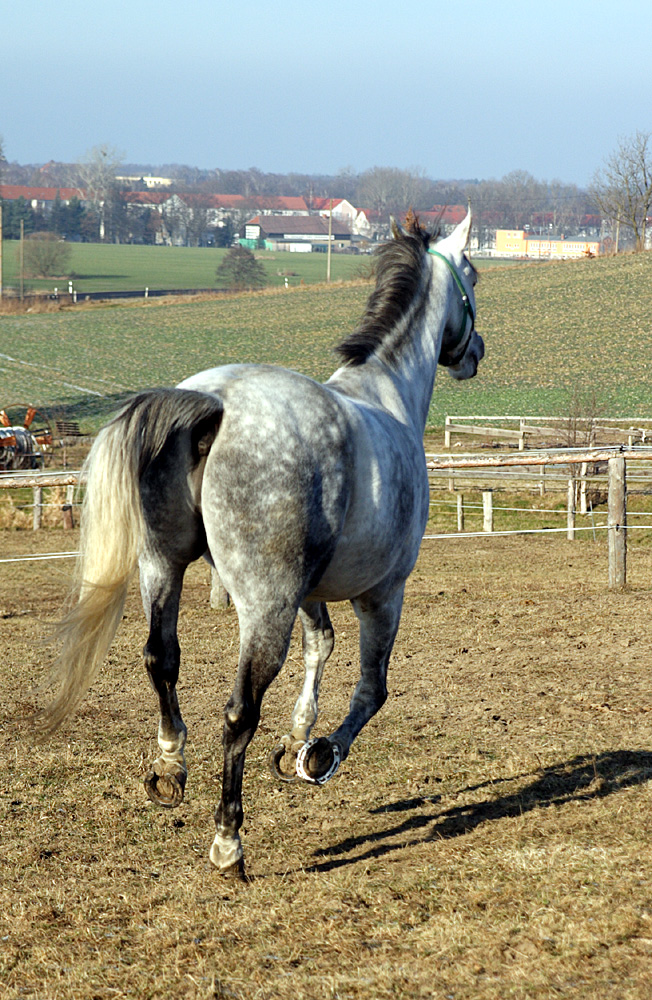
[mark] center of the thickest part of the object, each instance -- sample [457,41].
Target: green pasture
[553,333]
[106,267]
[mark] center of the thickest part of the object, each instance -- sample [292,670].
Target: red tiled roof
[298,225]
[281,203]
[227,200]
[324,204]
[450,215]
[10,192]
[263,204]
[146,197]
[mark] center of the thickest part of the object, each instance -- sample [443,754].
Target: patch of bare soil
[488,837]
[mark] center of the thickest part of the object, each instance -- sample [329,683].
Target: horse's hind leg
[379,621]
[263,648]
[318,644]
[161,590]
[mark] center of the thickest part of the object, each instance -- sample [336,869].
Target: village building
[520,243]
[146,181]
[41,199]
[298,234]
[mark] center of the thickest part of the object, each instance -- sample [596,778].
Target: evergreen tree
[74,216]
[58,216]
[224,234]
[12,214]
[240,270]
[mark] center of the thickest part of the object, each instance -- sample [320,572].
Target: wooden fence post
[37,492]
[447,433]
[487,511]
[68,519]
[617,523]
[583,471]
[460,512]
[570,517]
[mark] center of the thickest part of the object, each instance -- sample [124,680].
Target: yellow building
[518,243]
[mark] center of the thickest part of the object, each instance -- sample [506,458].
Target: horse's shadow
[583,778]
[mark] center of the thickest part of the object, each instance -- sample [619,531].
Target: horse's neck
[405,386]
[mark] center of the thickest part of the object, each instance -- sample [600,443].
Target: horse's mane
[398,277]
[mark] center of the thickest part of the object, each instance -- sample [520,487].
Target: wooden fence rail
[617,502]
[617,484]
[37,481]
[632,428]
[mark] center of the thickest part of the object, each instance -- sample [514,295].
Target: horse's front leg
[161,590]
[263,648]
[318,642]
[379,619]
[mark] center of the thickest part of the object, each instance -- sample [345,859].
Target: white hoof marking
[226,852]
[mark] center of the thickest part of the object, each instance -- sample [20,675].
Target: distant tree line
[621,194]
[68,221]
[516,201]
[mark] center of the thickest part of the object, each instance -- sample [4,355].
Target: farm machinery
[25,438]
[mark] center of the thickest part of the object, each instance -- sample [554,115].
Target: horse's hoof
[235,871]
[275,758]
[318,760]
[228,857]
[165,788]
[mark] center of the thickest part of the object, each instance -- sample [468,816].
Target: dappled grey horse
[297,493]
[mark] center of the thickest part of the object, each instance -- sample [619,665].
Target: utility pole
[330,233]
[22,259]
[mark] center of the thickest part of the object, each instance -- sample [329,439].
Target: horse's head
[462,348]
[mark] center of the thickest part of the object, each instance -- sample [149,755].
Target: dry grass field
[488,837]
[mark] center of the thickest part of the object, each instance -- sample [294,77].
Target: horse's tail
[113,530]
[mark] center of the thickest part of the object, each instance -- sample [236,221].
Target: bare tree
[522,194]
[97,173]
[483,199]
[622,189]
[390,191]
[565,206]
[46,256]
[198,221]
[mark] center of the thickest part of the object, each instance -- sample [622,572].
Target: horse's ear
[397,231]
[459,238]
[411,221]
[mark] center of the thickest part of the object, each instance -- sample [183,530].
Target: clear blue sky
[465,89]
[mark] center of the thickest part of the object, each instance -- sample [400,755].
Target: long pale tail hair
[113,532]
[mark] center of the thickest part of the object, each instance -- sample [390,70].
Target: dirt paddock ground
[488,837]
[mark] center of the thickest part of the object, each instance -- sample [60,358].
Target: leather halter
[468,314]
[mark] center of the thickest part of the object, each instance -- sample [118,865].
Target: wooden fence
[617,485]
[618,430]
[37,482]
[616,459]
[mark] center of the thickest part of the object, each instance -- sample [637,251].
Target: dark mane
[398,278]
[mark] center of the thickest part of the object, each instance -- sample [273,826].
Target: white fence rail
[625,430]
